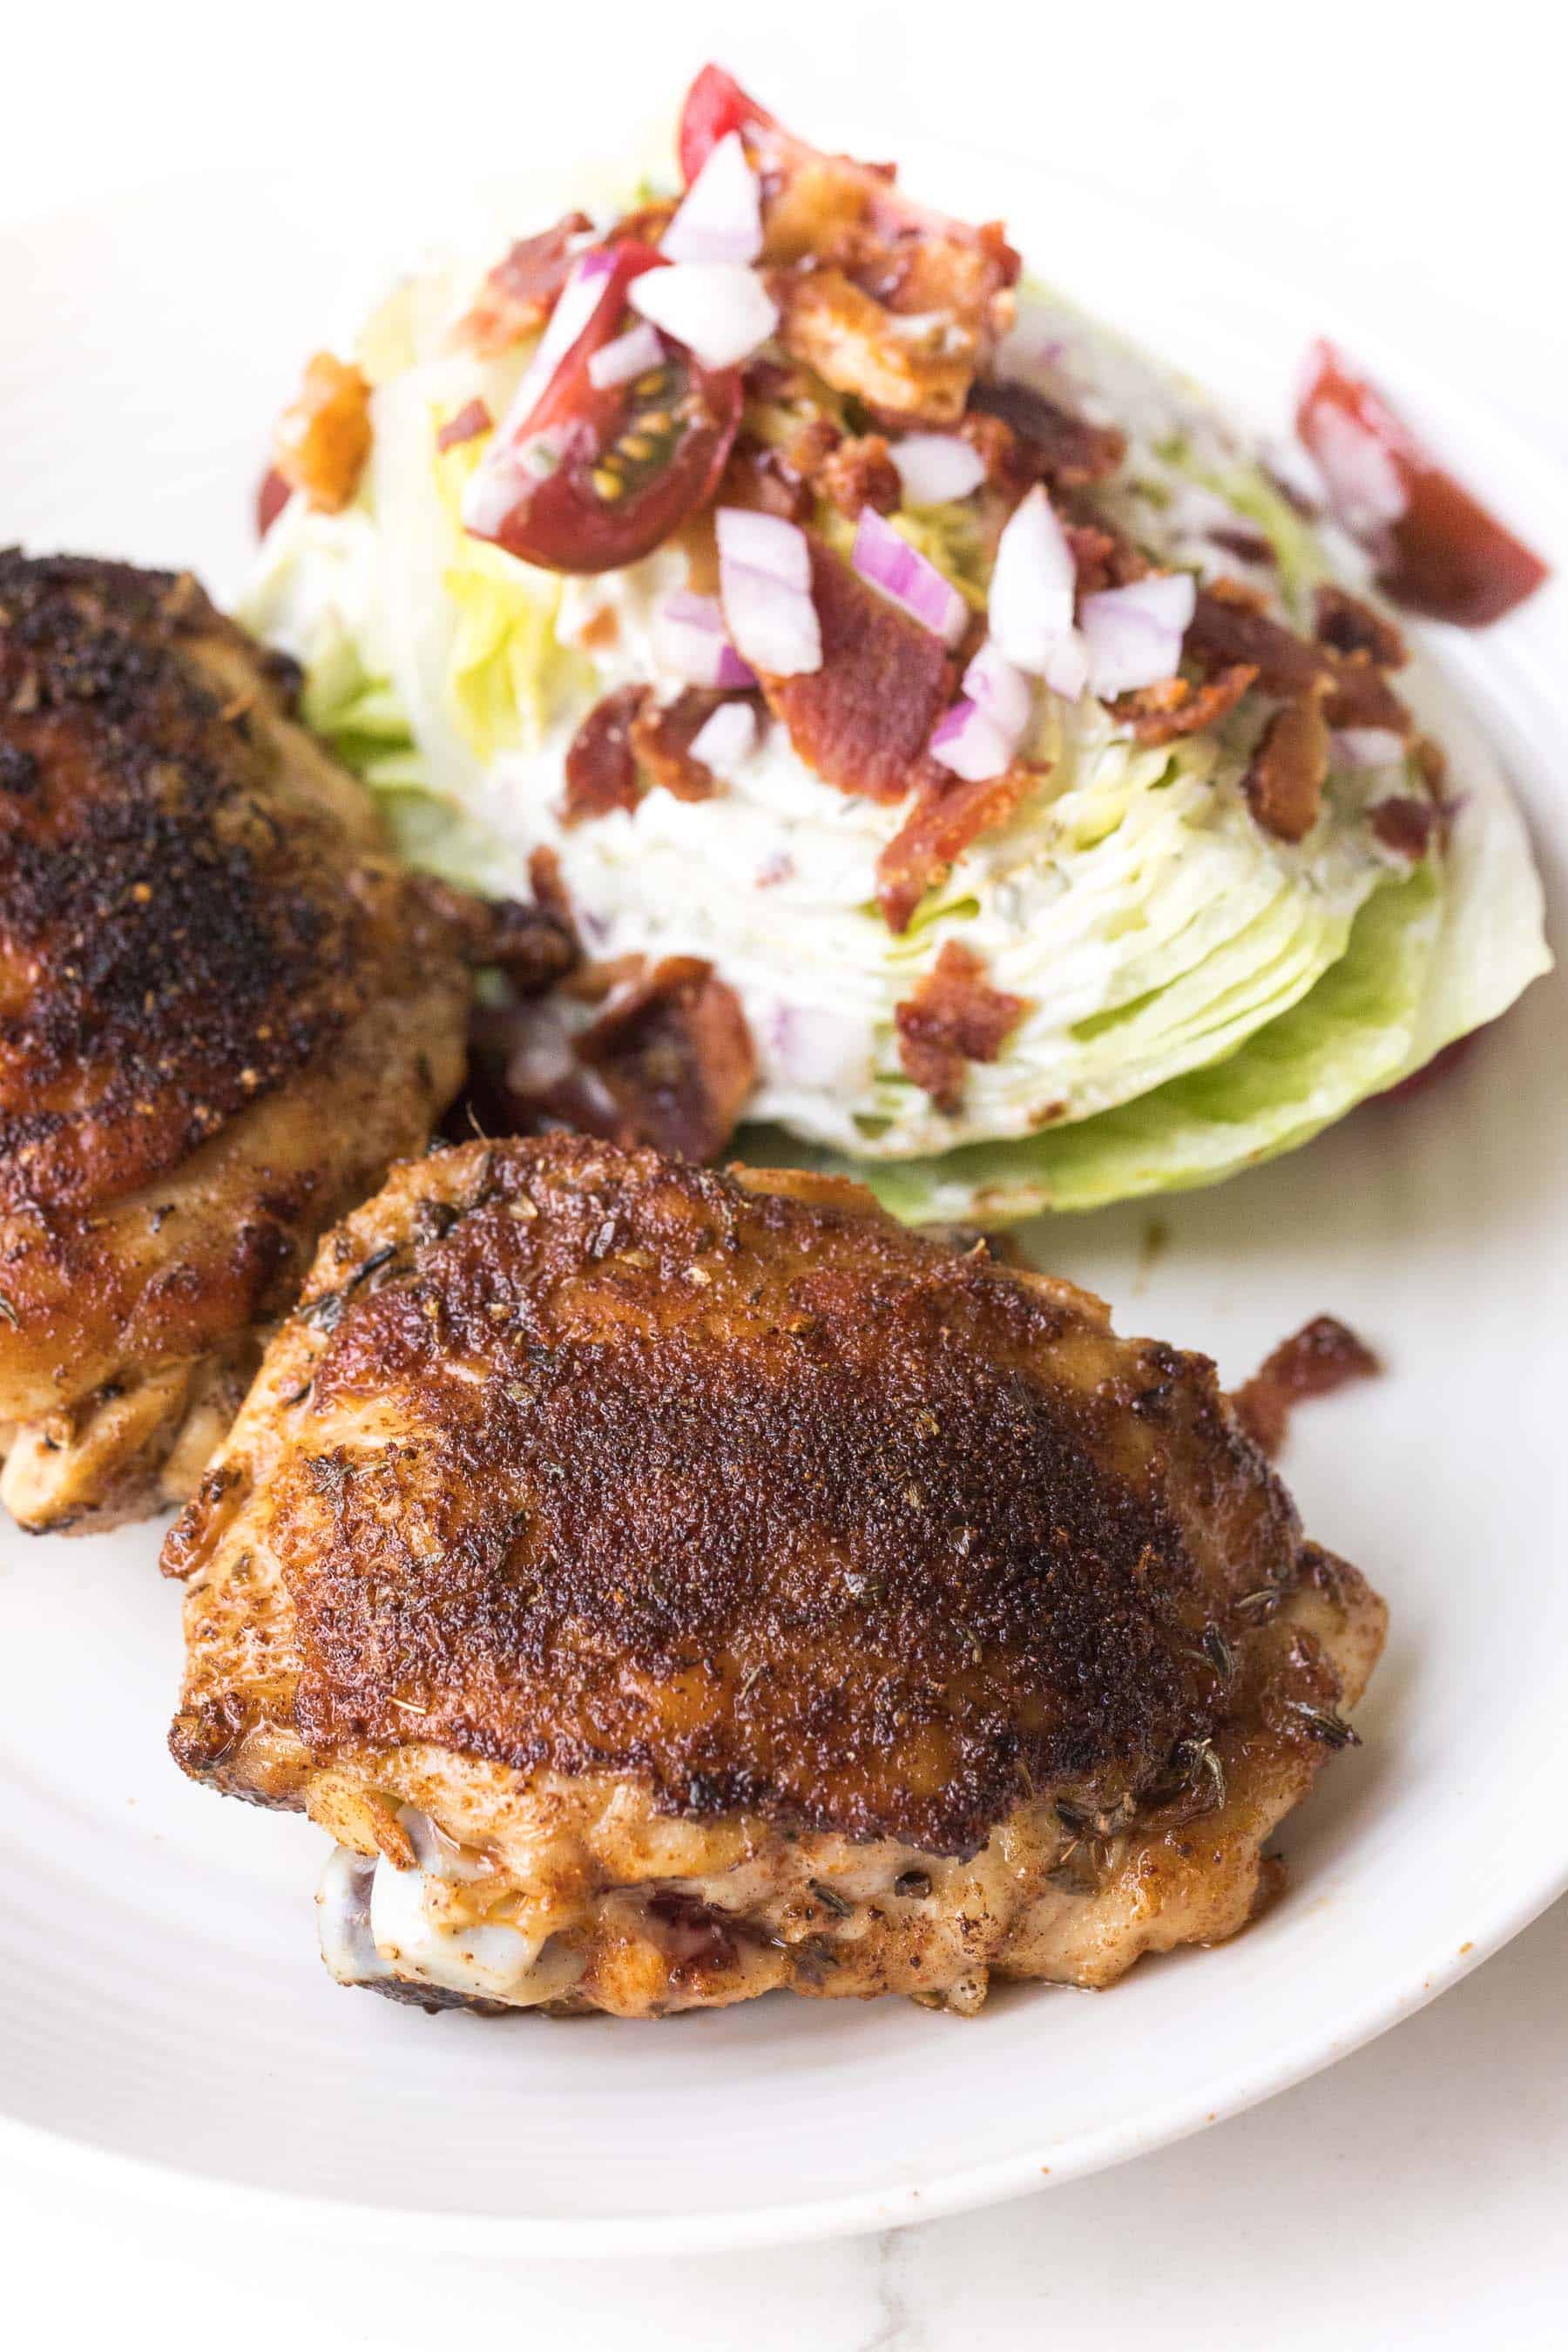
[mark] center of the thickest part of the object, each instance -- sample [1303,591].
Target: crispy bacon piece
[1103,559]
[948,813]
[1159,714]
[1229,625]
[1406,826]
[759,475]
[862,721]
[667,1060]
[1361,696]
[1352,627]
[601,765]
[662,735]
[521,291]
[675,1054]
[323,436]
[1050,443]
[852,257]
[954,1016]
[1284,785]
[1247,546]
[470,422]
[859,473]
[1318,1358]
[915,372]
[549,887]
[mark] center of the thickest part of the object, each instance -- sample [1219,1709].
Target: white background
[1408,162]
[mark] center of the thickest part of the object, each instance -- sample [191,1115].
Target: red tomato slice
[592,478]
[1437,549]
[715,105]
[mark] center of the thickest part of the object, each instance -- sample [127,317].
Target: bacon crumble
[323,436]
[662,735]
[1284,784]
[948,812]
[1315,1360]
[862,721]
[1159,714]
[601,766]
[521,291]
[953,1017]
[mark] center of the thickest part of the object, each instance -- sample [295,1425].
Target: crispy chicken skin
[665,1585]
[223,1012]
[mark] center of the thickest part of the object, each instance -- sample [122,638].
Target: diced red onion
[692,643]
[765,584]
[891,564]
[969,741]
[1032,585]
[633,353]
[1134,634]
[1003,692]
[1367,746]
[723,741]
[1067,672]
[721,218]
[936,466]
[720,310]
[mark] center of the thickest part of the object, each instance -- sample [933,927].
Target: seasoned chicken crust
[665,1585]
[225,1009]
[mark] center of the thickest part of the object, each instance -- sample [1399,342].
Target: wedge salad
[953,744]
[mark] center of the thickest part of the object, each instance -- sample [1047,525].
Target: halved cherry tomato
[715,105]
[1437,549]
[592,478]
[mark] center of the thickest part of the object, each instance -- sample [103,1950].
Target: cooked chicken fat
[665,1586]
[225,1010]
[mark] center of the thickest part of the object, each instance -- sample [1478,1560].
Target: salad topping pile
[951,740]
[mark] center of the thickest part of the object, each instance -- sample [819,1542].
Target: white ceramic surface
[160,2005]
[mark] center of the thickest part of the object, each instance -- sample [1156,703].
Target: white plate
[162,2009]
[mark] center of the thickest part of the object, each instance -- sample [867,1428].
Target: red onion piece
[1134,634]
[719,309]
[1032,586]
[1003,692]
[764,583]
[1368,747]
[722,216]
[935,468]
[1067,672]
[633,353]
[691,642]
[723,741]
[969,741]
[891,564]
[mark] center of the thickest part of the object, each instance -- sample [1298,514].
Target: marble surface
[1417,2187]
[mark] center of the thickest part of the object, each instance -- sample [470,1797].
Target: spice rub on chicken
[666,1585]
[225,1009]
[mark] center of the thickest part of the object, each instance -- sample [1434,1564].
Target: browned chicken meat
[665,1586]
[224,1010]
